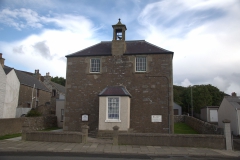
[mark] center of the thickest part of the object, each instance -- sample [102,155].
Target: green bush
[33,113]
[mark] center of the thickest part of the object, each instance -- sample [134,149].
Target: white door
[213,116]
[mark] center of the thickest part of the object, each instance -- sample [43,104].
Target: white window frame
[136,63]
[98,68]
[119,108]
[62,114]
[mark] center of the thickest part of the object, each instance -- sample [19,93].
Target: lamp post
[192,101]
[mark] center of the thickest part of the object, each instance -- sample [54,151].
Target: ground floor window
[62,114]
[113,108]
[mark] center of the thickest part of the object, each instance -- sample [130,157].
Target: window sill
[139,72]
[113,120]
[94,73]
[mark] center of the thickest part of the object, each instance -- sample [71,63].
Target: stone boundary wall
[14,125]
[68,137]
[199,125]
[11,126]
[40,123]
[174,140]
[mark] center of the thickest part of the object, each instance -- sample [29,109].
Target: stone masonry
[151,92]
[25,96]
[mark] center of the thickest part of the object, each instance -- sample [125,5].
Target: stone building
[24,90]
[119,82]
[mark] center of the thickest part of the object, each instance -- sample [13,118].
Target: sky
[203,34]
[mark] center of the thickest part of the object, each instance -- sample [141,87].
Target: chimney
[2,60]
[47,77]
[37,74]
[234,94]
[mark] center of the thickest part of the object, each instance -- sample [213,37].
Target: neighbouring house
[57,99]
[230,109]
[210,114]
[177,110]
[24,90]
[120,83]
[9,90]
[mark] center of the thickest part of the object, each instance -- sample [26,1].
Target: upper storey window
[95,65]
[141,64]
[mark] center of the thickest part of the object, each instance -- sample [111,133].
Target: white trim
[119,109]
[136,64]
[90,67]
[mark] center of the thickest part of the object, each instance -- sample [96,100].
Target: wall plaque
[84,117]
[156,118]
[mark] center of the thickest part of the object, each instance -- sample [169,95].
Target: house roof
[27,79]
[137,47]
[7,69]
[59,87]
[234,101]
[115,91]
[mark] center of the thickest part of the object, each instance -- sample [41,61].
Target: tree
[202,96]
[59,80]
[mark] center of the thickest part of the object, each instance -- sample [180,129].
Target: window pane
[141,64]
[113,108]
[95,65]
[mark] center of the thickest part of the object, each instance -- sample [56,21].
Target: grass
[182,128]
[10,136]
[50,129]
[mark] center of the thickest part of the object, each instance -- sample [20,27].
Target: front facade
[230,109]
[9,91]
[143,69]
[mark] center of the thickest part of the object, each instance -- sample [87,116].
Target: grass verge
[50,129]
[10,136]
[182,128]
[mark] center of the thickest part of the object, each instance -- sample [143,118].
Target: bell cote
[118,42]
[119,31]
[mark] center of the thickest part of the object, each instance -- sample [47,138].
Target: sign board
[156,118]
[85,117]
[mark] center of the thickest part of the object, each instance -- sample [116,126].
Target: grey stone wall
[68,137]
[177,140]
[199,125]
[11,126]
[14,125]
[39,123]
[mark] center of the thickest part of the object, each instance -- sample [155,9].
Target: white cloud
[203,35]
[47,50]
[186,83]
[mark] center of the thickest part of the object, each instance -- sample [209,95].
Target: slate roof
[115,91]
[27,79]
[59,87]
[234,101]
[137,47]
[7,69]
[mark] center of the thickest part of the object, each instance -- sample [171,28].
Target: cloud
[203,36]
[18,49]
[186,83]
[20,18]
[46,50]
[42,49]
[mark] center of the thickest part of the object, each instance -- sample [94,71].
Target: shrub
[33,113]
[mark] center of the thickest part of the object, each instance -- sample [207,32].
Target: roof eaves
[72,55]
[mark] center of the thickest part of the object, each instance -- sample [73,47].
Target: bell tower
[118,42]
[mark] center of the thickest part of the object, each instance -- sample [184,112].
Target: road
[85,156]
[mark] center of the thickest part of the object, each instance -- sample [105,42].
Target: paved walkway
[98,146]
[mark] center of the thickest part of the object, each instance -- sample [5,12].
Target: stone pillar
[227,134]
[85,133]
[115,135]
[25,129]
